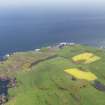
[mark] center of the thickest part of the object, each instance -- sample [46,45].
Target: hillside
[42,80]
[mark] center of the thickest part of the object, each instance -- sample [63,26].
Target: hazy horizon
[64,4]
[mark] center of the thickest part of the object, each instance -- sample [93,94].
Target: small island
[60,74]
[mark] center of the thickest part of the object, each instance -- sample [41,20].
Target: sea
[28,29]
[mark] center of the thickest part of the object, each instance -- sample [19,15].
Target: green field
[46,83]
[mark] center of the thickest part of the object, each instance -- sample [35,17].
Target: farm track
[42,60]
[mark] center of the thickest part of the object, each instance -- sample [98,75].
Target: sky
[69,3]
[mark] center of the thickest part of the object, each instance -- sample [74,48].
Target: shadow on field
[99,86]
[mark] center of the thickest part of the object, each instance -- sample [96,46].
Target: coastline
[55,45]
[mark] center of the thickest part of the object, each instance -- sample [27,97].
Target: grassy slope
[47,84]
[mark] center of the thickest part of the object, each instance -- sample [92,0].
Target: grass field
[46,83]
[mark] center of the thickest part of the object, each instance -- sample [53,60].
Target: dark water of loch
[22,30]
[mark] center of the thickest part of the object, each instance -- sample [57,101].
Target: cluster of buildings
[58,45]
[62,44]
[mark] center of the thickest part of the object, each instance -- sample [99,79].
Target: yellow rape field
[85,58]
[89,76]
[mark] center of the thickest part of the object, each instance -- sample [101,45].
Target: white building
[37,50]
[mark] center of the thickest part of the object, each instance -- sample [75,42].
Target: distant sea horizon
[23,30]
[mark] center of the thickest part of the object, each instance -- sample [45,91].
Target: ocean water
[22,30]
